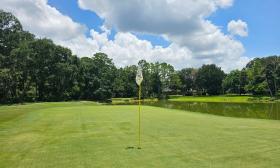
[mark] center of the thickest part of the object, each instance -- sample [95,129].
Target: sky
[183,33]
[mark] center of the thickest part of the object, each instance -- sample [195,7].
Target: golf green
[84,134]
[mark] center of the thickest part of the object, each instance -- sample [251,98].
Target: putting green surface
[83,134]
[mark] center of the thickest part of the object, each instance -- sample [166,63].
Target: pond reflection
[242,110]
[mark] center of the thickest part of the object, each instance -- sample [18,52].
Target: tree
[161,81]
[14,53]
[22,57]
[146,83]
[231,83]
[10,29]
[87,78]
[262,76]
[187,77]
[6,81]
[175,83]
[98,77]
[270,71]
[42,65]
[63,78]
[278,79]
[156,84]
[209,79]
[119,84]
[105,74]
[243,81]
[129,81]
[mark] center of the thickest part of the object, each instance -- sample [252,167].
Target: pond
[242,110]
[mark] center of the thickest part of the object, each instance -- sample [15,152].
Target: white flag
[139,76]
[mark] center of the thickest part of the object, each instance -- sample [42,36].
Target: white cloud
[42,19]
[156,16]
[183,22]
[128,49]
[238,27]
[194,40]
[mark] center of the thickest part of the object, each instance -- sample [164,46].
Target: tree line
[33,69]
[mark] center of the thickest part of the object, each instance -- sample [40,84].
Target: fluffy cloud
[156,16]
[183,22]
[43,20]
[238,27]
[194,39]
[128,49]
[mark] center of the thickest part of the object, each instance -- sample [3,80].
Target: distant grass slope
[223,98]
[88,135]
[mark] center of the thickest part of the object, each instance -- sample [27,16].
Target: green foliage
[119,84]
[263,74]
[209,79]
[5,85]
[160,79]
[235,82]
[10,32]
[104,75]
[97,74]
[187,77]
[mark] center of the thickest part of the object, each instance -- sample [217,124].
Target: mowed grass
[222,98]
[83,134]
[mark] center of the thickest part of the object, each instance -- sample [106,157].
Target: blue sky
[262,17]
[93,21]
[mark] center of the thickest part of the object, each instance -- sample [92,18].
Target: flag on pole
[139,76]
[139,79]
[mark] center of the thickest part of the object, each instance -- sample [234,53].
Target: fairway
[85,134]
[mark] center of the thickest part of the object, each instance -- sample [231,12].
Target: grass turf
[83,134]
[222,98]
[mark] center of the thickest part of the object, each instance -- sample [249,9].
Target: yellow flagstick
[139,79]
[139,117]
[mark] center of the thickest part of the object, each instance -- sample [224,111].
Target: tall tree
[6,80]
[10,33]
[188,77]
[209,79]
[270,72]
[105,73]
[119,84]
[243,81]
[175,83]
[22,57]
[231,83]
[263,75]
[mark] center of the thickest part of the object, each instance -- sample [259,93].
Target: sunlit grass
[84,134]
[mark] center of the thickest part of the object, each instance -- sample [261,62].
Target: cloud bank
[194,39]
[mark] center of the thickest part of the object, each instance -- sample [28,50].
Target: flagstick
[139,79]
[139,117]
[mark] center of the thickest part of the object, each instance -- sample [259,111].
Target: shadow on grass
[132,147]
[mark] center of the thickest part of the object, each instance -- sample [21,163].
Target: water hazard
[242,110]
